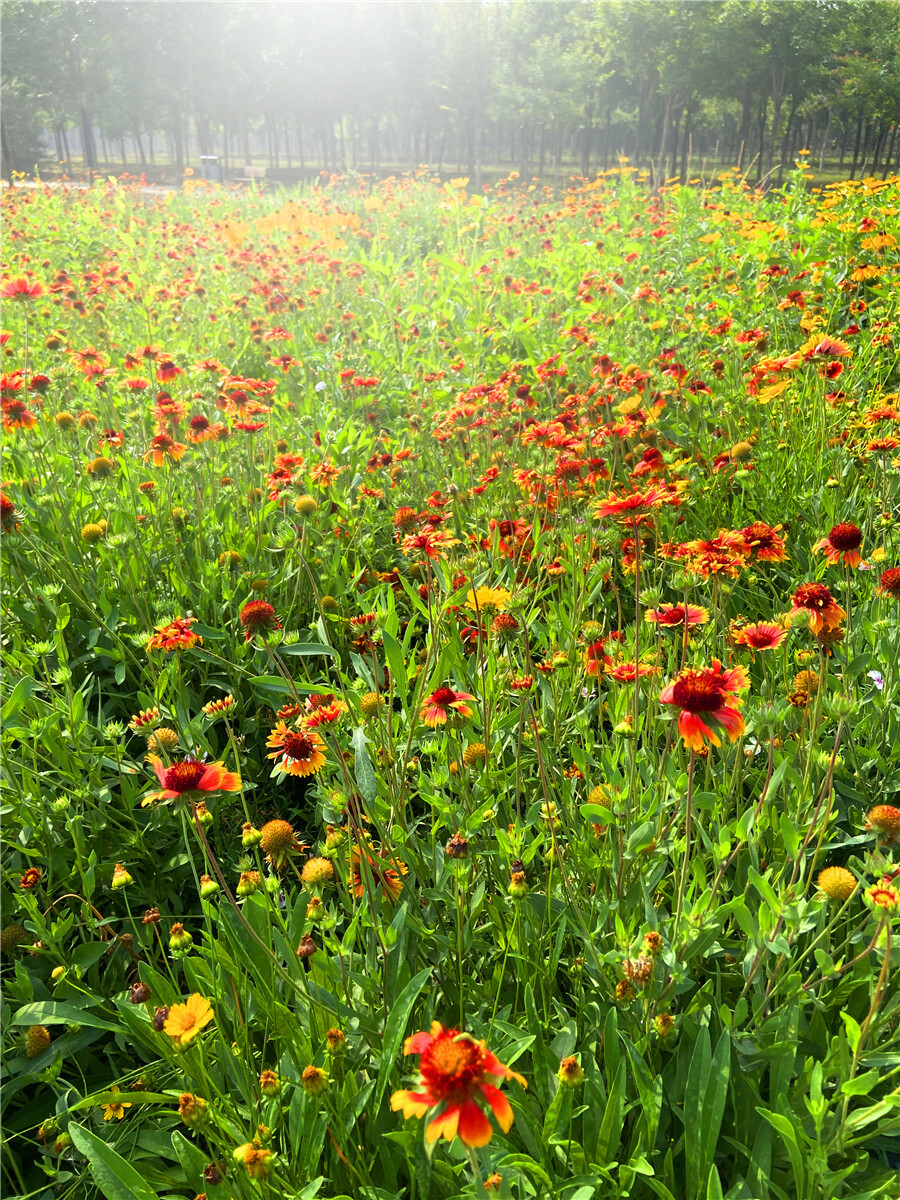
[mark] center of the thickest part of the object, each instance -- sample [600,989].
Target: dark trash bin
[211,168]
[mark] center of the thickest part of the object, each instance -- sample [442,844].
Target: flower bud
[120,878]
[179,938]
[570,1073]
[208,887]
[269,1084]
[315,1081]
[335,1042]
[249,836]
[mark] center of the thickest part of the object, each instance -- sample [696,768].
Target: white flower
[877,678]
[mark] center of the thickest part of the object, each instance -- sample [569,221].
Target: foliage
[363,84]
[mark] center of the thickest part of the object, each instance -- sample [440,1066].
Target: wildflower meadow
[451,727]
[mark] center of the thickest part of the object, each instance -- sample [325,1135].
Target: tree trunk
[859,125]
[778,76]
[674,138]
[880,139]
[746,116]
[824,145]
[786,142]
[8,159]
[763,105]
[686,146]
[178,137]
[87,138]
[890,153]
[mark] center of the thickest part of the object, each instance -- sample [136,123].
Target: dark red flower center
[298,746]
[184,776]
[697,692]
[845,537]
[675,615]
[451,1066]
[199,424]
[443,697]
[890,580]
[258,615]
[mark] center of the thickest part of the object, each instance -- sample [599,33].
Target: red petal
[418,1043]
[473,1127]
[500,1106]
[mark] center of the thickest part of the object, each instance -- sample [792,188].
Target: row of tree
[519,83]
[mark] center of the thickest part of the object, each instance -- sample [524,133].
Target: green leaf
[192,1159]
[394,657]
[861,1085]
[362,766]
[52,1012]
[854,1033]
[20,694]
[115,1178]
[307,650]
[394,1030]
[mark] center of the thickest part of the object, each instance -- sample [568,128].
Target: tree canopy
[384,85]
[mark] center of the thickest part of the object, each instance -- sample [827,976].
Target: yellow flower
[186,1020]
[487,600]
[116,1110]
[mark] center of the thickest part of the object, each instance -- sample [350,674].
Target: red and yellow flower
[385,872]
[842,545]
[177,635]
[670,616]
[188,776]
[457,1074]
[820,606]
[444,702]
[762,635]
[707,695]
[296,751]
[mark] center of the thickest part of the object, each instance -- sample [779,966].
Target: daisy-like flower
[199,429]
[763,635]
[189,775]
[21,288]
[437,706]
[323,711]
[457,1074]
[258,617]
[434,543]
[703,695]
[890,583]
[9,518]
[487,600]
[177,635]
[216,708]
[115,1110]
[763,541]
[17,415]
[297,752]
[628,672]
[635,507]
[671,616]
[185,1021]
[163,447]
[817,602]
[385,872]
[842,545]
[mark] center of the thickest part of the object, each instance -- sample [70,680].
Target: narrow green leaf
[115,1178]
[53,1012]
[394,1030]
